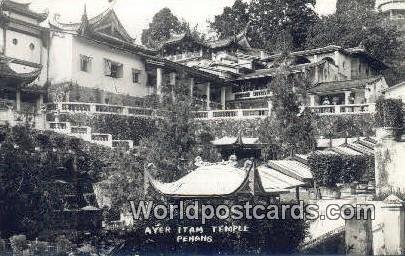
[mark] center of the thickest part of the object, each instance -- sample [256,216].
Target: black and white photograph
[202,127]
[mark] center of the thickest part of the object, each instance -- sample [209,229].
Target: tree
[231,20]
[164,25]
[171,146]
[288,129]
[357,5]
[271,22]
[355,27]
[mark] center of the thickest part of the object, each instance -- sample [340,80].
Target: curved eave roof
[7,74]
[225,181]
[23,8]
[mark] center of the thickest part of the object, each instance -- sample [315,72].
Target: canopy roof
[224,180]
[226,141]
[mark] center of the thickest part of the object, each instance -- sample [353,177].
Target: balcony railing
[252,94]
[236,113]
[79,107]
[343,109]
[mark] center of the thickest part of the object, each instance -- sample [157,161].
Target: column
[223,97]
[18,99]
[192,86]
[312,101]
[173,84]
[208,94]
[40,102]
[270,107]
[347,97]
[394,229]
[159,80]
[316,79]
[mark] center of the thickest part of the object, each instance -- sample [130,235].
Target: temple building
[338,76]
[24,66]
[97,61]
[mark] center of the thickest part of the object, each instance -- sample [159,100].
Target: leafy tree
[354,27]
[231,20]
[288,129]
[350,5]
[171,146]
[271,22]
[164,26]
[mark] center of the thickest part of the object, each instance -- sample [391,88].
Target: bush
[389,113]
[331,169]
[18,243]
[2,246]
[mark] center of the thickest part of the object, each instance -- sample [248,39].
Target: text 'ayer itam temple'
[93,67]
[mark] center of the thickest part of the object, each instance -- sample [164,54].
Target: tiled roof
[343,85]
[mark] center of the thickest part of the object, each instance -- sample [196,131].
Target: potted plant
[389,118]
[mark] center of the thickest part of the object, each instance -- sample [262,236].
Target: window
[85,63]
[135,75]
[15,41]
[113,69]
[32,46]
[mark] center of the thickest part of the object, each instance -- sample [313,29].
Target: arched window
[32,46]
[15,41]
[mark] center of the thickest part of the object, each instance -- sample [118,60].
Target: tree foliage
[288,129]
[273,24]
[164,26]
[354,26]
[171,146]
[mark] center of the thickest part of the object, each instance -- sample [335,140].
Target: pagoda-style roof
[226,180]
[10,76]
[105,28]
[23,9]
[239,39]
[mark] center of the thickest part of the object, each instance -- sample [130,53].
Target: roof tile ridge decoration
[24,9]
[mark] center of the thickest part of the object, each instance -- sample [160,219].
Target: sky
[137,14]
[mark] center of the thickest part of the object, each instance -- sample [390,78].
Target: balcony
[233,114]
[93,108]
[343,109]
[252,94]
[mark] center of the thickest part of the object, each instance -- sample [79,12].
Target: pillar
[347,97]
[208,94]
[159,80]
[394,229]
[358,232]
[223,97]
[40,102]
[173,84]
[18,99]
[316,78]
[192,86]
[270,107]
[312,100]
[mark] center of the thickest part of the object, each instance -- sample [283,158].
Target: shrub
[389,113]
[330,169]
[18,243]
[2,246]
